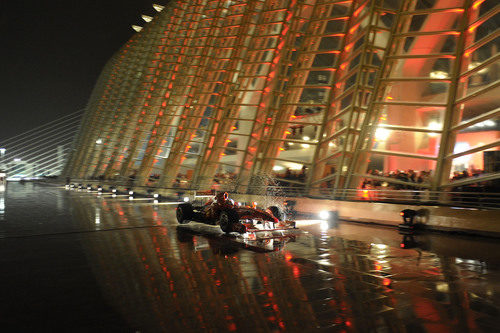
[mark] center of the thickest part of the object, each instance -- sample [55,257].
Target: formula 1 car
[222,211]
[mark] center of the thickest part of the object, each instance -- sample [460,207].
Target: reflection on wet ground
[78,261]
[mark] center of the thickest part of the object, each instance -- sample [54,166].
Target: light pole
[2,154]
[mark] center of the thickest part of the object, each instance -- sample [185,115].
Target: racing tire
[227,220]
[277,213]
[184,213]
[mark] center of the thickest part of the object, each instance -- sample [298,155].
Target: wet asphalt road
[75,261]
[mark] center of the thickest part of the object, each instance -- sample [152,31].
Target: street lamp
[2,154]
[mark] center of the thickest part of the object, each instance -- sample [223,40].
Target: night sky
[52,52]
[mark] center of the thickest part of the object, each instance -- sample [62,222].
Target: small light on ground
[324,215]
[324,225]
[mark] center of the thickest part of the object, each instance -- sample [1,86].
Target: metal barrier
[486,200]
[481,200]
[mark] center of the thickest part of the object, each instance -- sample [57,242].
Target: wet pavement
[81,262]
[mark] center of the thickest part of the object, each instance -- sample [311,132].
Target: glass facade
[314,94]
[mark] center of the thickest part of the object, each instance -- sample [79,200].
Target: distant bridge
[40,152]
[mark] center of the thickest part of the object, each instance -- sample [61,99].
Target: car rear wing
[204,194]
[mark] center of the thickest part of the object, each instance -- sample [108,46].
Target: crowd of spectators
[409,176]
[294,175]
[484,186]
[423,178]
[225,176]
[466,174]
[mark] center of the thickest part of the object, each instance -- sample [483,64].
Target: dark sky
[52,51]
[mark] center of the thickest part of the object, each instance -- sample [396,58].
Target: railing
[481,200]
[486,200]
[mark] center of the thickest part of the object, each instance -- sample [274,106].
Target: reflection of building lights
[477,4]
[97,216]
[278,168]
[473,65]
[382,134]
[442,287]
[331,144]
[98,141]
[379,246]
[438,75]
[186,199]
[435,127]
[290,143]
[306,138]
[459,148]
[324,226]
[294,166]
[486,123]
[305,145]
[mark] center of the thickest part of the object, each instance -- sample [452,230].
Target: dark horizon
[53,54]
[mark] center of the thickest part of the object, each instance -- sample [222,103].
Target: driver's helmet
[221,197]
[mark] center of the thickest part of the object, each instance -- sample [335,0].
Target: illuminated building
[318,94]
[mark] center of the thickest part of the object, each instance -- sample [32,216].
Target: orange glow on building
[205,81]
